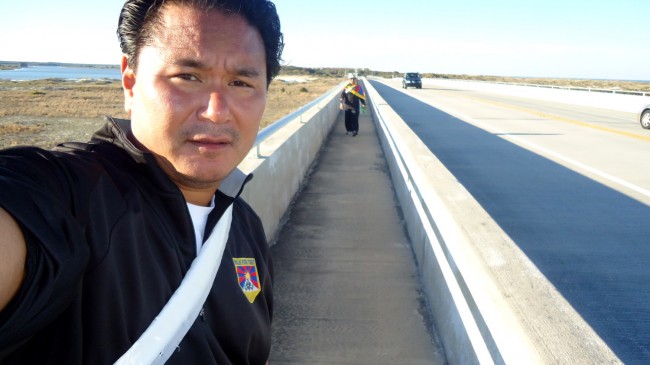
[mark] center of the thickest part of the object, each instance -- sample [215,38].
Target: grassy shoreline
[47,112]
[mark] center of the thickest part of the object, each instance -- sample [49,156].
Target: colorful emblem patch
[247,277]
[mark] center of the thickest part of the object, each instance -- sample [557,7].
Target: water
[60,72]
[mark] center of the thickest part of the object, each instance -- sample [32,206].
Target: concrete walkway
[346,286]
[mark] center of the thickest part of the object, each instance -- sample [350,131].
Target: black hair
[137,21]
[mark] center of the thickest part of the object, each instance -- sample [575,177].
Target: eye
[187,77]
[240,83]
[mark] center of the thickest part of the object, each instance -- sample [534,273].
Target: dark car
[644,117]
[411,79]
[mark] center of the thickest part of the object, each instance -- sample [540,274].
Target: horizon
[64,64]
[552,39]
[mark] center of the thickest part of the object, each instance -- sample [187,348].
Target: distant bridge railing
[271,129]
[288,149]
[587,89]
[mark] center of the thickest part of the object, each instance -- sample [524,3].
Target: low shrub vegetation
[47,112]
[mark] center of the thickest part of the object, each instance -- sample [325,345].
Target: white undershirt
[199,216]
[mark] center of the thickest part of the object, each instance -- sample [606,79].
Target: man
[96,237]
[351,96]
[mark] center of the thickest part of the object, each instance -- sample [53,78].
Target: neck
[198,197]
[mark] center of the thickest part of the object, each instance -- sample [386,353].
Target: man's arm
[13,252]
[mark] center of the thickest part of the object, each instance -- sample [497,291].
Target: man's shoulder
[69,166]
[243,208]
[28,156]
[245,217]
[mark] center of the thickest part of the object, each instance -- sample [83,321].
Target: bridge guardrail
[474,325]
[272,128]
[281,156]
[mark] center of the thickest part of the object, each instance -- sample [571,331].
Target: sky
[551,38]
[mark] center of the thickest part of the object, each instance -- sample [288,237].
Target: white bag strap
[163,335]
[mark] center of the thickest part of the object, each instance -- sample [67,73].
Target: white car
[644,117]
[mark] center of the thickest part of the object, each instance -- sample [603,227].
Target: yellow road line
[561,119]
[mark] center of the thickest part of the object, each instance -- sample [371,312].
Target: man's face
[198,95]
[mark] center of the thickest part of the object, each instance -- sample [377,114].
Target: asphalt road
[569,184]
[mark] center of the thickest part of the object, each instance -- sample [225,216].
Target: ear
[128,82]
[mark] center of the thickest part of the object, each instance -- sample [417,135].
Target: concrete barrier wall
[490,304]
[475,323]
[284,161]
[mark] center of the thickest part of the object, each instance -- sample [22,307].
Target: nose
[216,108]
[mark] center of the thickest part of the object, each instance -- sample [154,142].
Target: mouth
[206,143]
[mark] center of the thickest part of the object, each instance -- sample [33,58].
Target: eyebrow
[239,71]
[246,72]
[190,62]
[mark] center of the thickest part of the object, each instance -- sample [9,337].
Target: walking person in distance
[352,97]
